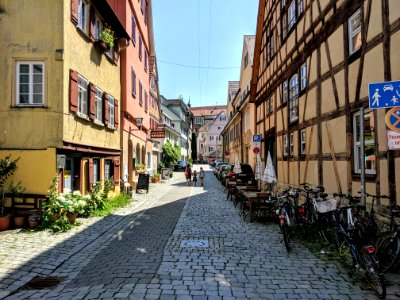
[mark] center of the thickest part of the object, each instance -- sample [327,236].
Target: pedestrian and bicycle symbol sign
[393,119]
[384,94]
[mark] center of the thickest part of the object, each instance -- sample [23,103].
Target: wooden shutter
[91,174]
[73,91]
[74,11]
[92,101]
[116,113]
[116,169]
[92,21]
[105,97]
[115,54]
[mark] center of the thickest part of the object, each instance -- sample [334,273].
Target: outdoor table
[256,201]
[240,189]
[230,185]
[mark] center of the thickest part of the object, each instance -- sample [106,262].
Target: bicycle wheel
[375,279]
[345,254]
[388,252]
[286,235]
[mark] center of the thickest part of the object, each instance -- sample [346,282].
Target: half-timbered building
[313,62]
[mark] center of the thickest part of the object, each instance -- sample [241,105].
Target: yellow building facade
[60,111]
[238,134]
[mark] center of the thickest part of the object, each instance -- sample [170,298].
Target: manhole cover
[39,283]
[194,244]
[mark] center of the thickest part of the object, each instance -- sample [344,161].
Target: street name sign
[384,94]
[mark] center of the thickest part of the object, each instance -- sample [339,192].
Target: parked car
[180,166]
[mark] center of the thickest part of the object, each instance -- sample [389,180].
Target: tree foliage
[171,153]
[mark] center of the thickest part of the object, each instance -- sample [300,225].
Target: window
[108,169]
[284,92]
[111,112]
[247,120]
[82,96]
[201,146]
[96,170]
[210,148]
[369,143]
[303,76]
[355,36]
[97,28]
[222,118]
[133,30]
[293,98]
[246,59]
[291,143]
[83,15]
[198,120]
[303,141]
[270,43]
[146,104]
[300,7]
[269,108]
[140,93]
[211,138]
[285,145]
[140,47]
[99,104]
[133,74]
[292,14]
[30,83]
[145,60]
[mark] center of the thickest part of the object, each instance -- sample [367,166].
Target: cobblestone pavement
[176,242]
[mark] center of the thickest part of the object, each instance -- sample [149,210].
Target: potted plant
[140,168]
[106,38]
[7,169]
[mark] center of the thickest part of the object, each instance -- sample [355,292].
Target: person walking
[188,174]
[202,175]
[194,177]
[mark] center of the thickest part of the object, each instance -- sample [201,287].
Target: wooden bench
[24,204]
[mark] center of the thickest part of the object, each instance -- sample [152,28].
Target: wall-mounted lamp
[139,122]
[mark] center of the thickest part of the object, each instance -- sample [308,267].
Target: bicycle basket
[325,205]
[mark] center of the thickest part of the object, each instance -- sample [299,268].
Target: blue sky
[187,33]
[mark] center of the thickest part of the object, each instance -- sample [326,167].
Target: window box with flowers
[106,39]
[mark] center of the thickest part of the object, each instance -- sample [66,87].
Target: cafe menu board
[143,183]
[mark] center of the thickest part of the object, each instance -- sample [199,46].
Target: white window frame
[97,27]
[357,144]
[285,92]
[111,111]
[294,98]
[303,139]
[291,143]
[82,96]
[285,145]
[303,76]
[292,17]
[31,84]
[354,32]
[96,170]
[98,100]
[83,16]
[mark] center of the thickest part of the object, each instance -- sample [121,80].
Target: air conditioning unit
[60,161]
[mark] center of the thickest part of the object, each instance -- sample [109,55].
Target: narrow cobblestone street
[143,252]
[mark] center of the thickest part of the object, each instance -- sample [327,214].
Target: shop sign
[157,134]
[393,139]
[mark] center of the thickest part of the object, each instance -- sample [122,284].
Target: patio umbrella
[269,172]
[259,168]
[237,169]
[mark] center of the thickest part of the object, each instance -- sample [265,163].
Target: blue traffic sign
[256,138]
[384,94]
